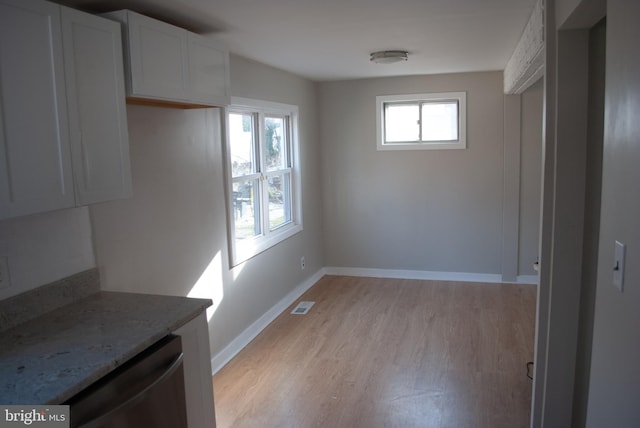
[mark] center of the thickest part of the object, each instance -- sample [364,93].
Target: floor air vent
[302,308]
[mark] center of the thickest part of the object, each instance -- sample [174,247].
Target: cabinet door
[158,59]
[208,71]
[97,110]
[35,161]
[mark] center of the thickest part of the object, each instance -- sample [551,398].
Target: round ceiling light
[389,57]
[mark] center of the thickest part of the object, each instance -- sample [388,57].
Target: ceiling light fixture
[389,57]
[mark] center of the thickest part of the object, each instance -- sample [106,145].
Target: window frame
[240,251]
[419,99]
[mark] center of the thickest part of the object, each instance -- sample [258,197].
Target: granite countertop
[48,359]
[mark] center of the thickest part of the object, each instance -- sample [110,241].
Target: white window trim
[240,252]
[460,143]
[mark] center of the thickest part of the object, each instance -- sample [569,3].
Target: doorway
[574,118]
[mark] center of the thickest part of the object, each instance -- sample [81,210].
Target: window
[421,121]
[263,176]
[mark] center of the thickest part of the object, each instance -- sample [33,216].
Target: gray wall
[615,378]
[420,210]
[530,178]
[43,248]
[161,240]
[171,237]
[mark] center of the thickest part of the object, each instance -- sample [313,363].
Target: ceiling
[332,39]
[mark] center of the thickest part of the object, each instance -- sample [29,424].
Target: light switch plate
[618,266]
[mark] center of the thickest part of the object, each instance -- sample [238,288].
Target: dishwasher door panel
[147,391]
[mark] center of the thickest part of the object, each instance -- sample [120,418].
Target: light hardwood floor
[387,353]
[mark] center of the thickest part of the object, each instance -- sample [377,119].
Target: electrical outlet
[5,279]
[302,263]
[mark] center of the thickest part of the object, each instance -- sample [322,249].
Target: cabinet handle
[99,420]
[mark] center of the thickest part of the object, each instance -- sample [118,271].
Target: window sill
[453,145]
[245,250]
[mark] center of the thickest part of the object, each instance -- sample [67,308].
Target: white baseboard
[528,279]
[414,274]
[223,357]
[427,275]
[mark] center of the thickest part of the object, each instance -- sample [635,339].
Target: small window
[264,191]
[421,121]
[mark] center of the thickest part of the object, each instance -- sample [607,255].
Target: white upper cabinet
[35,158]
[167,63]
[97,109]
[208,71]
[157,54]
[63,129]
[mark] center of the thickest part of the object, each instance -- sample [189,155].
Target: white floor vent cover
[302,308]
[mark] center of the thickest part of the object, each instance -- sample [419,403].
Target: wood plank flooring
[387,353]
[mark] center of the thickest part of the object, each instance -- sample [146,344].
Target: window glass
[275,142]
[279,188]
[241,142]
[402,122]
[439,121]
[246,209]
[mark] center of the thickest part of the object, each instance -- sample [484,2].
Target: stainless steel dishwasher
[147,391]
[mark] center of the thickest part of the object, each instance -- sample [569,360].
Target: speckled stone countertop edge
[49,359]
[135,350]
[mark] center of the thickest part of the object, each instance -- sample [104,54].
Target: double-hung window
[263,176]
[421,121]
